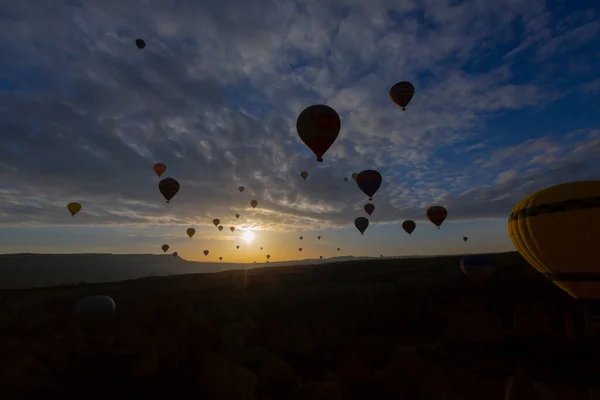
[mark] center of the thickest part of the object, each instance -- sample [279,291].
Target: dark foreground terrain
[378,329]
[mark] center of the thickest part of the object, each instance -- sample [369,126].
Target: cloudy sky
[507,102]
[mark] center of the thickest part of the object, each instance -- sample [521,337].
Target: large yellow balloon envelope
[74,208]
[557,230]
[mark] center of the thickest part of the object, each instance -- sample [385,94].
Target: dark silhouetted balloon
[241,189]
[346,179]
[321,257]
[237,247]
[301,237]
[436,215]
[140,43]
[369,208]
[304,175]
[409,226]
[369,181]
[319,237]
[465,238]
[318,127]
[74,208]
[300,248]
[402,93]
[169,188]
[164,248]
[220,228]
[160,169]
[216,222]
[205,252]
[237,215]
[220,258]
[361,224]
[338,249]
[191,232]
[268,256]
[253,203]
[232,228]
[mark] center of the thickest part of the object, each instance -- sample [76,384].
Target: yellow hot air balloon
[191,232]
[74,208]
[557,230]
[304,175]
[354,176]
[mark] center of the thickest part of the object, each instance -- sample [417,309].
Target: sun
[248,236]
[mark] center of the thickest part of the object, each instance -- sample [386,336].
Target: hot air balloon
[319,237]
[220,258]
[160,169]
[261,248]
[237,247]
[95,311]
[369,208]
[479,268]
[338,249]
[345,179]
[299,248]
[253,203]
[74,208]
[301,237]
[220,228]
[241,189]
[436,215]
[205,252]
[175,254]
[409,226]
[369,181]
[232,228]
[556,230]
[354,176]
[361,224]
[140,43]
[402,93]
[216,222]
[169,188]
[321,257]
[164,248]
[268,256]
[465,238]
[237,215]
[318,127]
[191,232]
[304,175]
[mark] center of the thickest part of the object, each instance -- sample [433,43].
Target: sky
[507,98]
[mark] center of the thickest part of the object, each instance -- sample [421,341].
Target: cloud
[84,115]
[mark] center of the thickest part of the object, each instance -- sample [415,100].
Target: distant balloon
[175,254]
[164,248]
[369,182]
[241,189]
[402,93]
[220,258]
[318,127]
[479,268]
[205,252]
[321,257]
[409,226]
[338,249]
[304,175]
[261,248]
[301,237]
[253,203]
[216,222]
[220,228]
[237,247]
[465,238]
[140,43]
[268,256]
[74,208]
[346,179]
[191,232]
[232,228]
[160,169]
[319,237]
[436,215]
[95,311]
[237,215]
[361,224]
[299,248]
[354,176]
[369,208]
[169,188]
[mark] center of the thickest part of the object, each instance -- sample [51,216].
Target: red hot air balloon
[175,254]
[409,226]
[369,182]
[160,169]
[369,208]
[169,188]
[318,127]
[402,93]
